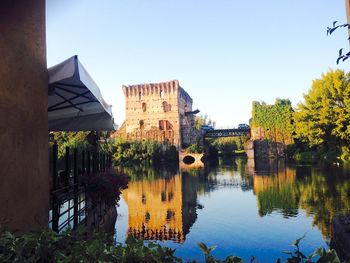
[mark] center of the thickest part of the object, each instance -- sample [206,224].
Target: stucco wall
[24,193]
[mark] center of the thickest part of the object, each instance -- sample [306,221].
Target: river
[244,208]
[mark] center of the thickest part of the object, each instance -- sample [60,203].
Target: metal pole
[55,206]
[83,162]
[67,168]
[75,180]
[88,163]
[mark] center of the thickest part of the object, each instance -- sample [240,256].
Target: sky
[225,53]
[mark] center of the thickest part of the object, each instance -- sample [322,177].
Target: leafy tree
[80,140]
[323,119]
[203,120]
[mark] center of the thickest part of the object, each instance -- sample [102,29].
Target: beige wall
[24,193]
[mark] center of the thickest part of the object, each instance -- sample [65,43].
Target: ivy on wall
[274,119]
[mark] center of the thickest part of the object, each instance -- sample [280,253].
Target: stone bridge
[190,160]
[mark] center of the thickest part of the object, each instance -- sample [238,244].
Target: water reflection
[322,192]
[161,205]
[187,207]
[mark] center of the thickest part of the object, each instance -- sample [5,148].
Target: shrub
[195,148]
[128,153]
[47,246]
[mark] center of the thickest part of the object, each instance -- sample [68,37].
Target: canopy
[75,102]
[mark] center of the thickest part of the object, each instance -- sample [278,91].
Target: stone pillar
[24,178]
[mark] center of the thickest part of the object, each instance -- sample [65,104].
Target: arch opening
[189,159]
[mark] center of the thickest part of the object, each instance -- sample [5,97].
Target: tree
[323,118]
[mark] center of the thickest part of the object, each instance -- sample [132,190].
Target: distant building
[160,112]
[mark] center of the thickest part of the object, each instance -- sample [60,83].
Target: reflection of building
[158,111]
[159,209]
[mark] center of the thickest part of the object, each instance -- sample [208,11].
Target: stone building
[160,112]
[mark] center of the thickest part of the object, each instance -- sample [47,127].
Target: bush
[226,146]
[195,148]
[128,153]
[47,246]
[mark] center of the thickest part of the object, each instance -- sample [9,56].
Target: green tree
[322,120]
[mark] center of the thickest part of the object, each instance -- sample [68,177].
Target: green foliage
[127,153]
[322,120]
[74,246]
[79,141]
[321,255]
[203,120]
[70,139]
[275,119]
[47,246]
[195,148]
[227,146]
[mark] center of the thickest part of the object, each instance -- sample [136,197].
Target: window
[140,95]
[144,107]
[165,125]
[161,125]
[161,93]
[142,124]
[166,106]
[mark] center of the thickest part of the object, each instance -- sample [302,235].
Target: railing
[69,201]
[226,133]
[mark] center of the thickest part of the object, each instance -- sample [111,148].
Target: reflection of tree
[321,193]
[325,194]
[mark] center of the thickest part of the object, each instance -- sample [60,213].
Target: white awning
[75,102]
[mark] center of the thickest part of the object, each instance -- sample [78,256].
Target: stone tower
[160,112]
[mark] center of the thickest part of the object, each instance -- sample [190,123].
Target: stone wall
[24,185]
[267,144]
[157,111]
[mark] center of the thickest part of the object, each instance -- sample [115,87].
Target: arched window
[161,93]
[144,107]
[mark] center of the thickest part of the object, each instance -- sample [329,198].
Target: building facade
[160,112]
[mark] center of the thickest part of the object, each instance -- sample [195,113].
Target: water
[243,208]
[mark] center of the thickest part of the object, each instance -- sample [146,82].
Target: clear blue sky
[224,53]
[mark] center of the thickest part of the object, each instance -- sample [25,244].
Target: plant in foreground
[75,246]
